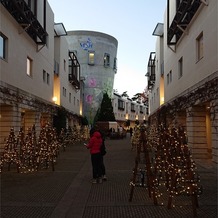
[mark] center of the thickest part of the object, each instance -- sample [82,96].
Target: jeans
[96,165]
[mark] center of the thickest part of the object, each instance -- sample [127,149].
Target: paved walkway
[68,193]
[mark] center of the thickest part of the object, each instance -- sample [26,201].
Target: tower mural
[97,55]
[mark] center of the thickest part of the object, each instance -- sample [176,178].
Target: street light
[54,99]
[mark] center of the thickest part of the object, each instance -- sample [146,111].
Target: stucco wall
[19,47]
[193,70]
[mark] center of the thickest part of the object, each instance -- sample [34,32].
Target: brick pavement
[67,192]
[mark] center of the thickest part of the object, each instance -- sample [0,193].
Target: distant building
[125,109]
[183,74]
[97,55]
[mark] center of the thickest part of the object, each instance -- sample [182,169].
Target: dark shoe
[105,178]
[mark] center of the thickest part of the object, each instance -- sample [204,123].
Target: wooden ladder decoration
[142,147]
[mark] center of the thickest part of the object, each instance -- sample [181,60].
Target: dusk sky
[130,22]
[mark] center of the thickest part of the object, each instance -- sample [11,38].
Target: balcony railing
[185,11]
[74,81]
[24,16]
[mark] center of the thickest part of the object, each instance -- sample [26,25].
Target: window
[3,41]
[106,60]
[200,47]
[64,65]
[115,65]
[168,79]
[56,67]
[46,77]
[64,92]
[29,67]
[171,76]
[91,57]
[180,67]
[121,104]
[70,97]
[126,106]
[132,107]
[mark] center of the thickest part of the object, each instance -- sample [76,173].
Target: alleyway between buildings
[67,192]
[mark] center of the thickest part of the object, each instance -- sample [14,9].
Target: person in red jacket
[94,145]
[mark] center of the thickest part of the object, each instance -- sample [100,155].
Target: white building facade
[183,73]
[35,69]
[26,65]
[66,92]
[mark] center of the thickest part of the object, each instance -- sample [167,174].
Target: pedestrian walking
[94,145]
[130,131]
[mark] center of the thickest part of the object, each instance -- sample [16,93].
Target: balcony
[73,80]
[74,70]
[185,11]
[23,14]
[151,70]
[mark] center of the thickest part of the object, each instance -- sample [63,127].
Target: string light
[171,166]
[29,153]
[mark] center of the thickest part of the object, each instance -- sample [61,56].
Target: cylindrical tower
[97,55]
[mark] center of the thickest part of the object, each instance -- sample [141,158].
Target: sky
[131,22]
